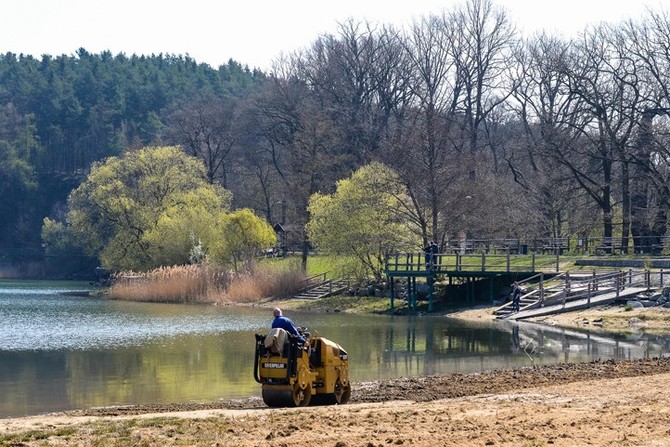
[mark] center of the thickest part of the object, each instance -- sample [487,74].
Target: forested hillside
[58,115]
[491,134]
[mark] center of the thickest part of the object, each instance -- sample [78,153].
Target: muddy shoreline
[430,388]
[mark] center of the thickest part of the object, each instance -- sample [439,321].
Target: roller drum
[286,396]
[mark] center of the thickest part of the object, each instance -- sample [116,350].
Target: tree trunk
[305,250]
[607,202]
[625,199]
[646,231]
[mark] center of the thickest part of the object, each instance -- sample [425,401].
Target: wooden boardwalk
[566,292]
[605,297]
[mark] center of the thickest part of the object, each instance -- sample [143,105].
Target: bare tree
[607,82]
[358,77]
[426,149]
[457,60]
[483,40]
[206,128]
[648,42]
[552,120]
[298,139]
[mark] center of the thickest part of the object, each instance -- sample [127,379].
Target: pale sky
[253,33]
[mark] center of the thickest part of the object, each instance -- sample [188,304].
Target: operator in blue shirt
[284,323]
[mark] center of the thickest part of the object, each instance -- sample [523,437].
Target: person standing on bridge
[434,250]
[428,254]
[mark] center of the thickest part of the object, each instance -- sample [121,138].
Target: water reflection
[62,352]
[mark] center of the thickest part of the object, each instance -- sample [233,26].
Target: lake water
[61,352]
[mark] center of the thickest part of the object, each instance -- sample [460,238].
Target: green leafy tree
[144,209]
[365,217]
[243,236]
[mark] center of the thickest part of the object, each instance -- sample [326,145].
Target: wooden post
[483,262]
[409,292]
[588,293]
[508,262]
[392,290]
[533,262]
[414,293]
[541,289]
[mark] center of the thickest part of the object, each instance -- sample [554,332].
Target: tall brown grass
[205,283]
[263,282]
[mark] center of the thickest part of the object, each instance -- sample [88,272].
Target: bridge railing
[568,286]
[421,263]
[596,245]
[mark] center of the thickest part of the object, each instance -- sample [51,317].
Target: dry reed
[205,283]
[263,282]
[196,283]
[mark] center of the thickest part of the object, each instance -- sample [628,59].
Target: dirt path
[599,403]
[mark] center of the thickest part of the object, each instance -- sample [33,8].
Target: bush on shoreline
[205,284]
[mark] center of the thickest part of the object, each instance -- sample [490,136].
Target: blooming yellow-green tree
[363,218]
[145,209]
[243,235]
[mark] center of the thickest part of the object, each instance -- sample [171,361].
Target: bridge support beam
[431,291]
[391,281]
[492,281]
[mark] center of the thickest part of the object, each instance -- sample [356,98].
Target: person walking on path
[516,296]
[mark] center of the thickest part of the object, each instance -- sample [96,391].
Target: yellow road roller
[296,372]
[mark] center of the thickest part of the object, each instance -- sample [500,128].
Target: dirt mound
[429,388]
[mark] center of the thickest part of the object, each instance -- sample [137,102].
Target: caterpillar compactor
[297,372]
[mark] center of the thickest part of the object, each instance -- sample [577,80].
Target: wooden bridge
[547,290]
[469,266]
[567,292]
